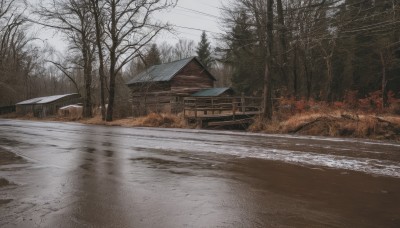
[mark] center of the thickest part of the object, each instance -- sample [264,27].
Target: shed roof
[71,106]
[45,100]
[163,72]
[213,92]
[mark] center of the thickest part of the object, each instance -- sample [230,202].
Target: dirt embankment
[337,124]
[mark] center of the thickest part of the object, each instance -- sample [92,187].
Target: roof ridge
[161,72]
[192,57]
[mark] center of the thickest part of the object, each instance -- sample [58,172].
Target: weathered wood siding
[192,78]
[168,96]
[147,98]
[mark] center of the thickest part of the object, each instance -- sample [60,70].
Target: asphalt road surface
[74,175]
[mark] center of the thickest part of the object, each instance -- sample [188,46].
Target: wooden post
[205,112]
[195,109]
[233,107]
[212,105]
[242,100]
[184,107]
[157,101]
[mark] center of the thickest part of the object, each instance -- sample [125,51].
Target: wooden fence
[198,107]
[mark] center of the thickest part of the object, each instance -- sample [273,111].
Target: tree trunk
[267,102]
[113,63]
[111,94]
[295,75]
[385,103]
[87,74]
[329,80]
[308,74]
[96,14]
[87,113]
[282,39]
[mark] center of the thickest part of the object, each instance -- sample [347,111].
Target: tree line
[311,49]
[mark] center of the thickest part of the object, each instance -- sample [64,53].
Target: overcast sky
[195,14]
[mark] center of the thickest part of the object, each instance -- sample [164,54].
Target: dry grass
[151,120]
[392,119]
[12,115]
[260,125]
[95,120]
[334,123]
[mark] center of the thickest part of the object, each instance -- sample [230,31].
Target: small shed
[161,88]
[46,106]
[71,111]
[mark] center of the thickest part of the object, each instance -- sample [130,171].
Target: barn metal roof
[213,92]
[163,72]
[44,100]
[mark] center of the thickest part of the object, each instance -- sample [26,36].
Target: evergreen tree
[204,51]
[153,56]
[243,55]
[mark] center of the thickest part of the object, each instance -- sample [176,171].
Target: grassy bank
[334,123]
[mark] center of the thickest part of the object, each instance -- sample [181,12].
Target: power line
[198,12]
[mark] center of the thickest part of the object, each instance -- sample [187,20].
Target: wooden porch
[221,111]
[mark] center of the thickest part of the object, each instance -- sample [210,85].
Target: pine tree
[204,51]
[243,55]
[153,56]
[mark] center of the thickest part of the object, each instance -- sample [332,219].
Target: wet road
[74,175]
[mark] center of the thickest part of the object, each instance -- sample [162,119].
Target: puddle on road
[7,157]
[5,201]
[90,150]
[4,182]
[109,153]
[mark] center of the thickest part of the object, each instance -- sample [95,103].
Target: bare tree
[97,8]
[128,29]
[74,20]
[16,60]
[184,48]
[166,52]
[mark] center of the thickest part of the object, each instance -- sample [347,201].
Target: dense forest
[324,50]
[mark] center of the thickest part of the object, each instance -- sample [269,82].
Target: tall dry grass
[164,120]
[334,123]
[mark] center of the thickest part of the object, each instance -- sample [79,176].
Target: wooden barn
[46,106]
[161,88]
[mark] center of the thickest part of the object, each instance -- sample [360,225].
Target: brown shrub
[260,125]
[161,120]
[95,120]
